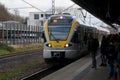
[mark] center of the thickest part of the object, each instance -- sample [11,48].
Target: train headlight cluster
[68,45]
[49,45]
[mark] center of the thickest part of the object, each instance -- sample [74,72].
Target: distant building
[38,18]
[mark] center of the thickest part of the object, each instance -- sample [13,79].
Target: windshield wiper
[54,37]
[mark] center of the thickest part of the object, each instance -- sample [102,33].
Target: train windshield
[59,32]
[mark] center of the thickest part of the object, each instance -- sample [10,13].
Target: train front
[58,32]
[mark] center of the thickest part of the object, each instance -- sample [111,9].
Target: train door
[81,36]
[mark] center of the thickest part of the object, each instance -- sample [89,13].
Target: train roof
[83,24]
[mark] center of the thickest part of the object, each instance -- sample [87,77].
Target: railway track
[20,53]
[40,74]
[20,58]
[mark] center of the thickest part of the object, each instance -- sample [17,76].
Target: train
[65,38]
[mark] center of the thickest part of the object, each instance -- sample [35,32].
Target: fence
[16,33]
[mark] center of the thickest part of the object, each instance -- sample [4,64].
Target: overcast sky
[41,4]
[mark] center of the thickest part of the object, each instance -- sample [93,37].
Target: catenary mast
[53,6]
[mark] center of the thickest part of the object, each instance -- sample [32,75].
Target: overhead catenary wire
[68,7]
[72,6]
[19,8]
[84,16]
[33,6]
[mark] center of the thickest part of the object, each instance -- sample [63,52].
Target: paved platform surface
[80,70]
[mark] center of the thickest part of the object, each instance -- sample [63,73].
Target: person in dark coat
[103,47]
[93,45]
[112,56]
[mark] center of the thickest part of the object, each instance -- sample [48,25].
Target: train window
[58,32]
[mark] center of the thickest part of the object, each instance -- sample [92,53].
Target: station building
[38,18]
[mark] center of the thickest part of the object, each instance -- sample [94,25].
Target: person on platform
[103,47]
[93,45]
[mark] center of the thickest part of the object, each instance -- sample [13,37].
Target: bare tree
[6,16]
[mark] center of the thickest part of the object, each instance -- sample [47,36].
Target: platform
[80,70]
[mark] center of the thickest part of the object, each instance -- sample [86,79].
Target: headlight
[68,45]
[49,45]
